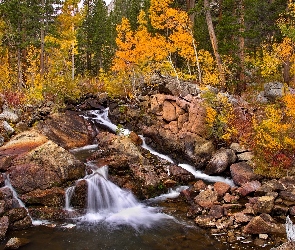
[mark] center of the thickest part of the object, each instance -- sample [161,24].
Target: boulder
[135,138]
[248,187]
[263,204]
[79,198]
[206,198]
[54,197]
[220,161]
[263,224]
[15,243]
[9,115]
[68,130]
[221,188]
[4,223]
[19,219]
[216,211]
[273,90]
[242,172]
[44,167]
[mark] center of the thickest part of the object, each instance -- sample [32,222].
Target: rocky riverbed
[37,163]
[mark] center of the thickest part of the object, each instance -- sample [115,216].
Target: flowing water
[116,220]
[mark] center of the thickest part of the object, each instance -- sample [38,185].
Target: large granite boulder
[242,173]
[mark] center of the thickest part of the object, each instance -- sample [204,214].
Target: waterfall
[102,118]
[68,196]
[8,184]
[290,229]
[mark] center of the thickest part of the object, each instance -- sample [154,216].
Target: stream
[116,220]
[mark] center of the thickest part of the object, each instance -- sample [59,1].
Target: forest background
[52,50]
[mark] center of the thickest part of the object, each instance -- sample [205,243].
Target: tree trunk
[190,4]
[214,42]
[242,81]
[42,67]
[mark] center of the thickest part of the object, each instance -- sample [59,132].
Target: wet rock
[79,198]
[180,175]
[221,188]
[206,198]
[248,188]
[4,223]
[54,197]
[194,210]
[44,167]
[242,173]
[50,213]
[220,161]
[205,221]
[135,138]
[19,219]
[68,130]
[216,211]
[2,180]
[15,243]
[286,246]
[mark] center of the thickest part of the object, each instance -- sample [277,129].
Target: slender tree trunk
[242,81]
[42,60]
[190,4]
[286,70]
[214,42]
[19,69]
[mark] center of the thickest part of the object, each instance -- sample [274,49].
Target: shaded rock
[221,188]
[2,181]
[180,175]
[135,138]
[68,130]
[206,198]
[79,198]
[4,223]
[15,243]
[280,210]
[54,197]
[242,173]
[269,186]
[194,210]
[287,195]
[216,211]
[44,167]
[5,162]
[50,213]
[249,187]
[220,160]
[205,221]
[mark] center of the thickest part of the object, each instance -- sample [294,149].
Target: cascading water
[102,118]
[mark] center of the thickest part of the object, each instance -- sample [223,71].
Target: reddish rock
[242,217]
[221,188]
[54,197]
[68,130]
[242,173]
[263,204]
[263,224]
[228,198]
[220,161]
[44,167]
[248,188]
[51,213]
[135,138]
[19,219]
[292,210]
[169,111]
[288,195]
[180,175]
[200,186]
[206,198]
[216,211]
[5,162]
[4,223]
[79,198]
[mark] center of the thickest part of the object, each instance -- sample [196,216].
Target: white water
[69,193]
[290,229]
[102,118]
[108,203]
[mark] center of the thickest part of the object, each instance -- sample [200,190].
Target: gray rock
[9,130]
[274,90]
[9,115]
[246,156]
[220,161]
